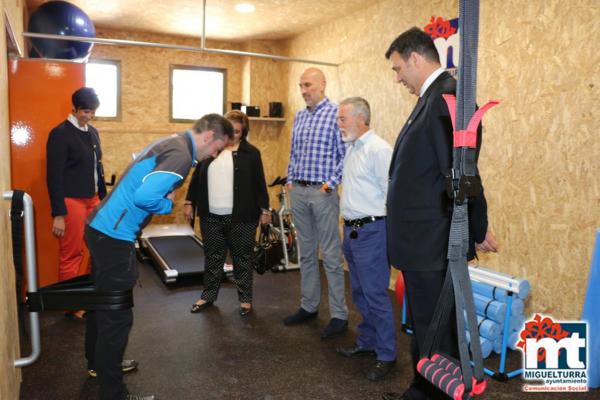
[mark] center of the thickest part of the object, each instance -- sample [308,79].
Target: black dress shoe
[395,396]
[300,317]
[245,311]
[335,327]
[140,397]
[380,369]
[196,308]
[355,351]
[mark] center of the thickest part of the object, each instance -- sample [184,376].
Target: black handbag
[267,251]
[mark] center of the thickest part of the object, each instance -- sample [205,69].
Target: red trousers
[71,244]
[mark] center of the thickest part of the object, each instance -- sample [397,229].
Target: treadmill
[174,249]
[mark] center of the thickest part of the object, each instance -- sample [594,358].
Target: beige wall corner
[10,377]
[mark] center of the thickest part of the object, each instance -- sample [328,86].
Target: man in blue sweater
[146,188]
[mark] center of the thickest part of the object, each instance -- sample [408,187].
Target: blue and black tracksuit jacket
[141,192]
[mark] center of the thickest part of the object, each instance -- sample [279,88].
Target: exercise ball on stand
[65,19]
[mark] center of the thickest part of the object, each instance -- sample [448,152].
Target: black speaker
[275,110]
[236,106]
[253,111]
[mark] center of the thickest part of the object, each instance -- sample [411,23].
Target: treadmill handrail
[31,262]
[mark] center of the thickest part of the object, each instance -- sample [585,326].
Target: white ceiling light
[245,8]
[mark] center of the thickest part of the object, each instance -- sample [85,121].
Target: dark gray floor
[219,355]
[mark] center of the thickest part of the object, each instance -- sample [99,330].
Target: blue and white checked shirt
[317,148]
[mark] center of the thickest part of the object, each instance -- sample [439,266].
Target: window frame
[117,63]
[173,67]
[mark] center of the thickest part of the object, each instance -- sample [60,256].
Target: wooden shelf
[266,119]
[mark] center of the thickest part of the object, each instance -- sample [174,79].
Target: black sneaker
[126,366]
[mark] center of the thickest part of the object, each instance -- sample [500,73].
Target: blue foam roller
[513,339]
[486,345]
[517,307]
[492,309]
[516,322]
[487,328]
[489,291]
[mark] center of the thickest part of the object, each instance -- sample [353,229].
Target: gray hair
[360,106]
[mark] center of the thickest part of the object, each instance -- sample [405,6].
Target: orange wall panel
[39,99]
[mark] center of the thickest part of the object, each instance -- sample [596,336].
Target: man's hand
[58,226]
[489,244]
[188,210]
[325,188]
[289,185]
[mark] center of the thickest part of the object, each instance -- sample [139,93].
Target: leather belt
[361,221]
[308,183]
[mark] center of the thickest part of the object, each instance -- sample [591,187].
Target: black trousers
[219,233]
[107,332]
[423,289]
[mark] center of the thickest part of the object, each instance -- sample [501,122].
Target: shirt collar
[430,80]
[363,139]
[193,144]
[320,104]
[71,118]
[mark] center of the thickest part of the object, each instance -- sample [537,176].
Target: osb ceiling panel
[273,19]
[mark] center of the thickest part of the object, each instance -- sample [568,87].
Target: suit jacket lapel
[414,114]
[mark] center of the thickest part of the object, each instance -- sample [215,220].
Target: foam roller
[451,366]
[489,308]
[517,307]
[513,338]
[486,345]
[448,383]
[487,328]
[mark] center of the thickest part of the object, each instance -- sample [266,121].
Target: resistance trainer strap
[458,379]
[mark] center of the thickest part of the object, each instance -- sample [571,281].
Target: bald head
[312,86]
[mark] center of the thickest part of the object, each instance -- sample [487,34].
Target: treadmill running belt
[182,253]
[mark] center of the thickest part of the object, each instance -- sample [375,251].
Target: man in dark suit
[419,210]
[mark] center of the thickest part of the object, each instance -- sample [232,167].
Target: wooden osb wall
[10,377]
[145,97]
[540,156]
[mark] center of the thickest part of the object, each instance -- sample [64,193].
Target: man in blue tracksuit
[146,188]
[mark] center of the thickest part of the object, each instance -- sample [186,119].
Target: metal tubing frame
[123,42]
[493,279]
[34,322]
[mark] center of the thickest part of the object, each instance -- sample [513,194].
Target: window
[105,77]
[196,91]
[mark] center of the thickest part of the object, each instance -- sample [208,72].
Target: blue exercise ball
[60,18]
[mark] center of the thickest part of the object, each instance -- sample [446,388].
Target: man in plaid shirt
[314,172]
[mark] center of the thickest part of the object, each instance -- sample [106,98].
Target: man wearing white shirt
[365,183]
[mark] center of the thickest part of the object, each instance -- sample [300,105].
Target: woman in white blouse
[229,193]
